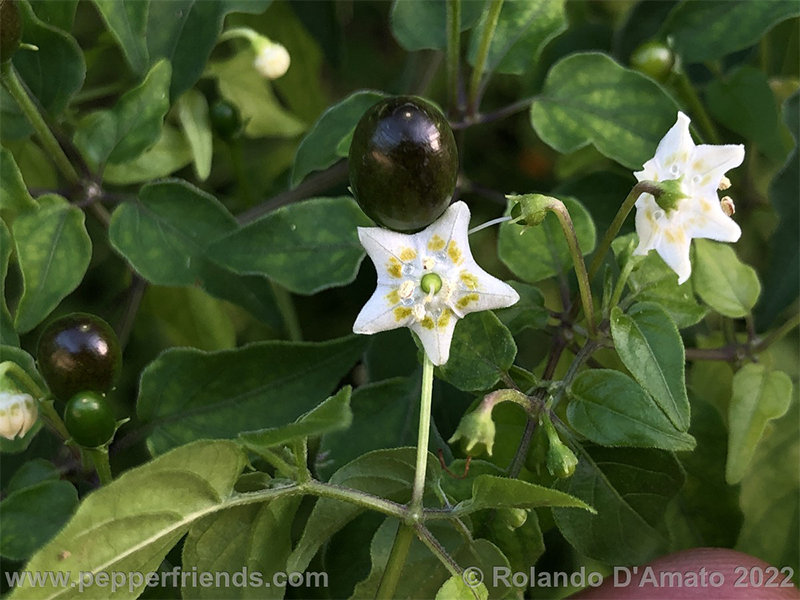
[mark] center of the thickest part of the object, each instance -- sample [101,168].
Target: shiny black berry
[79,352]
[403,163]
[10,28]
[225,120]
[89,419]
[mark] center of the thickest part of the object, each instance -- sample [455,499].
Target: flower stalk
[492,15]
[453,50]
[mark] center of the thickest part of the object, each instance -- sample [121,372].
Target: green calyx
[430,283]
[476,432]
[529,209]
[669,193]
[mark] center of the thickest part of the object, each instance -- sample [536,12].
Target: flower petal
[378,314]
[436,341]
[675,149]
[705,219]
[647,226]
[386,248]
[673,247]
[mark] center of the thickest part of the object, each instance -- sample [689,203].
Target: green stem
[273,458]
[427,538]
[395,563]
[99,458]
[453,49]
[422,437]
[53,419]
[689,95]
[620,285]
[288,313]
[643,187]
[300,448]
[336,492]
[493,13]
[571,236]
[15,88]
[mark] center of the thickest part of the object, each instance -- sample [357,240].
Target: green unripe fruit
[79,352]
[225,120]
[10,29]
[403,163]
[89,419]
[653,58]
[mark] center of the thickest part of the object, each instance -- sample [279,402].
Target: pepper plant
[584,214]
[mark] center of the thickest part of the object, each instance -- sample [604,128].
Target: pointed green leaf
[14,195]
[482,351]
[611,409]
[590,99]
[186,394]
[422,25]
[32,472]
[332,415]
[193,115]
[528,313]
[724,282]
[759,396]
[456,589]
[523,28]
[31,516]
[649,344]
[306,247]
[7,334]
[540,252]
[130,524]
[319,149]
[131,127]
[127,22]
[170,153]
[53,250]
[630,490]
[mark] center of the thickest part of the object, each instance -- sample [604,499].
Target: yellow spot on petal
[401,313]
[469,280]
[705,205]
[464,301]
[393,297]
[436,243]
[674,236]
[444,318]
[427,323]
[454,253]
[395,268]
[407,254]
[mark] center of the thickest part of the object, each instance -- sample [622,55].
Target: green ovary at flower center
[430,283]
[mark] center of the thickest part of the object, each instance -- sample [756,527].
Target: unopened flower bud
[728,207]
[272,59]
[561,461]
[476,432]
[18,413]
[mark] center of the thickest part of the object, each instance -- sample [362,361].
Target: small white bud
[18,413]
[272,60]
[728,207]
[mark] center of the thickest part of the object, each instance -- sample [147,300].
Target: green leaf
[702,31]
[385,473]
[31,473]
[542,251]
[610,409]
[53,250]
[131,523]
[7,334]
[523,29]
[53,73]
[759,396]
[261,112]
[32,515]
[170,153]
[306,247]
[630,490]
[241,532]
[333,414]
[185,32]
[743,102]
[131,127]
[164,235]
[423,574]
[482,351]
[528,313]
[34,164]
[193,115]
[58,13]
[422,25]
[186,394]
[491,491]
[769,493]
[589,99]
[649,344]
[723,282]
[14,196]
[651,280]
[127,22]
[319,149]
[456,589]
[187,316]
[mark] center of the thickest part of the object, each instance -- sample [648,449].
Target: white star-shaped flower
[700,171]
[427,281]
